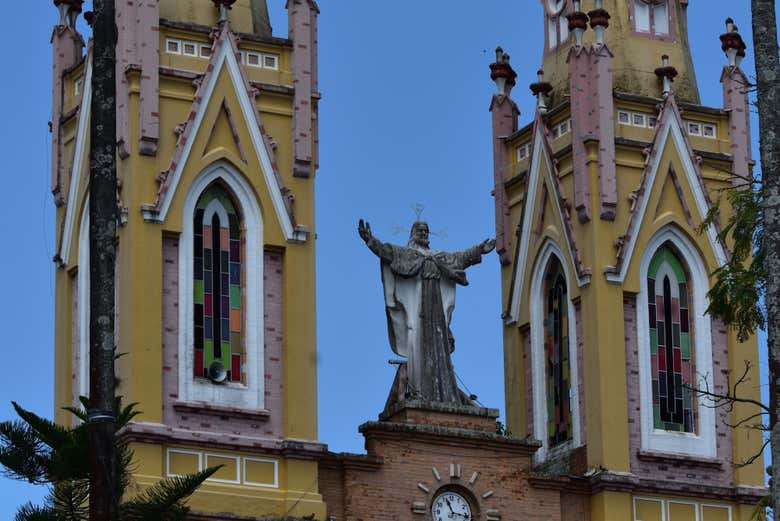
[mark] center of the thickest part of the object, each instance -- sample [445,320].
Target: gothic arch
[548,253]
[703,441]
[248,394]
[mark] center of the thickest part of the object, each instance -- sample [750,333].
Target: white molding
[671,126]
[168,453]
[226,57]
[651,500]
[548,250]
[717,505]
[251,395]
[80,155]
[275,463]
[695,505]
[539,153]
[237,459]
[82,285]
[704,443]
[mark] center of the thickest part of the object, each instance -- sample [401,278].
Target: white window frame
[275,59]
[712,127]
[168,453]
[704,442]
[622,113]
[178,43]
[204,51]
[248,395]
[652,121]
[539,383]
[641,117]
[652,27]
[194,53]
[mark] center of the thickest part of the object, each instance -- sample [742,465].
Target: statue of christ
[419,286]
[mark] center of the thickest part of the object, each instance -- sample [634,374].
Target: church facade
[598,202]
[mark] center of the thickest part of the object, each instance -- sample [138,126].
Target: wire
[467,389]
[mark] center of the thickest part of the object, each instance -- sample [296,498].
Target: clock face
[451,506]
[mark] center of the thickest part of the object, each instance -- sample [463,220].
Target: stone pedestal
[416,451]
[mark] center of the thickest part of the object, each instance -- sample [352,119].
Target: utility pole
[102,261]
[768,87]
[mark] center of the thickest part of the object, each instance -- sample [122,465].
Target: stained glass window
[556,347]
[218,285]
[671,353]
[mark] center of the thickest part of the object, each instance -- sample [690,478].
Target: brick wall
[274,353]
[678,470]
[388,491]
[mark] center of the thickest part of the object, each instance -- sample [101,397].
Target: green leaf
[22,454]
[48,432]
[30,512]
[164,501]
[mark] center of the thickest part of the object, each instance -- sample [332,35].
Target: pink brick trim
[683,470]
[505,114]
[735,100]
[265,424]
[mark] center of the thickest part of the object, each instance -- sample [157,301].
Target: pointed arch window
[557,23]
[671,353]
[218,287]
[651,16]
[556,352]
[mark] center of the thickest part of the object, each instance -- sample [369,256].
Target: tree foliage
[42,452]
[740,284]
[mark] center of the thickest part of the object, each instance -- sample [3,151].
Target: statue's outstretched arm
[380,249]
[473,255]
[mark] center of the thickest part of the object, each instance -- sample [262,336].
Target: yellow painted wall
[140,267]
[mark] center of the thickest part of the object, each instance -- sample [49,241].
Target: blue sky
[404,121]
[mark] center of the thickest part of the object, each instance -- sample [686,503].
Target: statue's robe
[419,286]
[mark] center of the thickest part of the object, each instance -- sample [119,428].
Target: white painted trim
[538,373]
[168,453]
[227,58]
[672,127]
[237,459]
[695,505]
[539,152]
[215,207]
[705,442]
[275,484]
[251,395]
[716,505]
[80,156]
[82,284]
[651,500]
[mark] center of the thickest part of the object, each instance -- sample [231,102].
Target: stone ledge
[159,434]
[678,459]
[447,435]
[447,408]
[258,415]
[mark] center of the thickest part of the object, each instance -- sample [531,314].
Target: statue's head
[419,235]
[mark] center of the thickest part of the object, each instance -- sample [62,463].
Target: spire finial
[599,21]
[69,11]
[224,6]
[541,90]
[667,74]
[578,23]
[502,73]
[732,44]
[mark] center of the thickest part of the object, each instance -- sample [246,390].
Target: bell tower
[600,199]
[637,32]
[217,154]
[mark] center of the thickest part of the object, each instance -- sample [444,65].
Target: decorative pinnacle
[502,73]
[69,11]
[224,6]
[667,73]
[599,21]
[732,44]
[541,90]
[578,23]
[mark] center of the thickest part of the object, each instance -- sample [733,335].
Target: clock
[451,506]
